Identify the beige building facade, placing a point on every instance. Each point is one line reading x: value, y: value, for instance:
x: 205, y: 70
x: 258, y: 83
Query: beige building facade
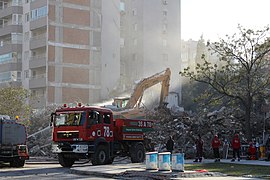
x: 67, y: 51
x: 60, y: 47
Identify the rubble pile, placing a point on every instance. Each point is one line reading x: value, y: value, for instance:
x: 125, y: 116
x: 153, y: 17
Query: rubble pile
x: 39, y: 133
x: 39, y: 143
x: 185, y: 128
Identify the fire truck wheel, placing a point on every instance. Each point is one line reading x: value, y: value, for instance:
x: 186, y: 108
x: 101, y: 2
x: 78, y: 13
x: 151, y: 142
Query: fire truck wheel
x: 65, y: 161
x: 17, y: 163
x: 101, y: 156
x: 137, y: 153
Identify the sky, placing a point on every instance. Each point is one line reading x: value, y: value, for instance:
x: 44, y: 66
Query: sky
x: 215, y: 18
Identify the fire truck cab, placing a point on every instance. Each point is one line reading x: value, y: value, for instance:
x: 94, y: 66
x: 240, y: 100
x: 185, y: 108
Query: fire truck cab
x: 88, y: 132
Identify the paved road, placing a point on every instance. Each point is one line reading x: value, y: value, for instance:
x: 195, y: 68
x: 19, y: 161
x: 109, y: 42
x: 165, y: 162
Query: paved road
x: 41, y: 169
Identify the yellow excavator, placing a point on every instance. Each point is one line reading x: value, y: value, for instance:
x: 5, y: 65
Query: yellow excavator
x: 130, y: 106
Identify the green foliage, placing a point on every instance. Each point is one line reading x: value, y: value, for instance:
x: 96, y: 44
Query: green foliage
x: 13, y: 103
x: 241, y: 75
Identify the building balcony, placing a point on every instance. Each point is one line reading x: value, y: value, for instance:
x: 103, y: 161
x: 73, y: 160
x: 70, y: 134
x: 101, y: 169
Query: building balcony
x: 7, y: 47
x: 38, y: 41
x: 11, y: 66
x: 37, y: 61
x: 38, y: 81
x: 37, y: 4
x: 10, y: 84
x: 38, y: 23
x: 7, y: 11
x: 8, y: 29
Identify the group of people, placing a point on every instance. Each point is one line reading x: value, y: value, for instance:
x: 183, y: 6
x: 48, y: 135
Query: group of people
x: 215, y: 143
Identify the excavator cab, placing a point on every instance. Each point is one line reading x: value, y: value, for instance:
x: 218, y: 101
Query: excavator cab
x: 120, y: 102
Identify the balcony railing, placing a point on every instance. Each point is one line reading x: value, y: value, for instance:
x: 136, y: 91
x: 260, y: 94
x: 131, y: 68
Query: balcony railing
x: 37, y: 61
x: 37, y: 81
x: 9, y: 24
x: 38, y: 76
x: 9, y: 42
x: 38, y: 41
x: 4, y: 5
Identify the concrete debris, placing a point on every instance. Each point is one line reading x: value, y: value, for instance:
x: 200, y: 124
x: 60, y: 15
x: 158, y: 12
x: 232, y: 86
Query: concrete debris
x: 184, y: 127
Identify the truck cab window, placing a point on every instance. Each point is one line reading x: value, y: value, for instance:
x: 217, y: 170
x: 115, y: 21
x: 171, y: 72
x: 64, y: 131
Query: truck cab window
x: 107, y: 118
x: 74, y: 119
x: 93, y: 118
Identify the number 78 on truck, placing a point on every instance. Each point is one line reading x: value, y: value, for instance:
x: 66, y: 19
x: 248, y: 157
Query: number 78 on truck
x: 89, y: 132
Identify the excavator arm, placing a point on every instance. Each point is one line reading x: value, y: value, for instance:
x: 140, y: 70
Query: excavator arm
x: 162, y: 77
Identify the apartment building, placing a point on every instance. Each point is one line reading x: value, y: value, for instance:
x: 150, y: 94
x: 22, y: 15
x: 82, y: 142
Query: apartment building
x: 11, y: 13
x: 150, y: 40
x: 63, y: 51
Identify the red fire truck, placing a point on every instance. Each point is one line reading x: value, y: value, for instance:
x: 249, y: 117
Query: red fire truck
x: 88, y: 132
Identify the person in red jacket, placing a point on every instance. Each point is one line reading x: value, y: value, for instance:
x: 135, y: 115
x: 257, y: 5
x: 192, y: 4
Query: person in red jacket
x: 215, y: 146
x: 251, y: 151
x: 199, y: 149
x: 236, y: 145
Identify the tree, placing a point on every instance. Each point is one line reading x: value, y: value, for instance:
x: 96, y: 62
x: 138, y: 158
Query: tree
x: 241, y: 75
x: 13, y: 102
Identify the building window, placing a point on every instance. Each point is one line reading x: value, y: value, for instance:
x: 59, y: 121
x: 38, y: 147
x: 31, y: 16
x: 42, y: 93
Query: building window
x: 10, y: 76
x: 19, y: 76
x: 164, y: 43
x: 134, y: 57
x: 26, y: 74
x: 135, y: 27
x: 135, y: 42
x: 5, y: 76
x: 16, y: 38
x: 16, y: 2
x: 122, y: 42
x: 165, y: 13
x: 39, y: 13
x: 27, y: 17
x: 164, y: 28
x: 17, y: 19
x: 3, y: 5
x: 134, y: 12
x: 6, y: 58
x: 122, y: 7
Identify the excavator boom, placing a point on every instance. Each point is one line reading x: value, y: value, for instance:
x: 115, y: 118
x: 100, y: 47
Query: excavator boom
x: 162, y: 77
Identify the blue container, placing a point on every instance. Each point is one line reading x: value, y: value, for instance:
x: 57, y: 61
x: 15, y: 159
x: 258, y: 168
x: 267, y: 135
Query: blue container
x: 164, y: 161
x: 178, y: 162
x: 151, y: 160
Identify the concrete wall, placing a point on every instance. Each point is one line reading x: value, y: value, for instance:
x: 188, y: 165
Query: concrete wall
x: 110, y: 45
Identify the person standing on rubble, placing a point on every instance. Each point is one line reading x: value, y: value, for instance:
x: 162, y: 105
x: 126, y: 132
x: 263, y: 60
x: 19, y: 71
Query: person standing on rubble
x: 199, y: 149
x: 215, y: 146
x: 236, y: 145
x: 170, y: 144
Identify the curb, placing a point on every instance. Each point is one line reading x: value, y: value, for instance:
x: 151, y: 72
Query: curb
x: 96, y: 174
x: 129, y: 174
